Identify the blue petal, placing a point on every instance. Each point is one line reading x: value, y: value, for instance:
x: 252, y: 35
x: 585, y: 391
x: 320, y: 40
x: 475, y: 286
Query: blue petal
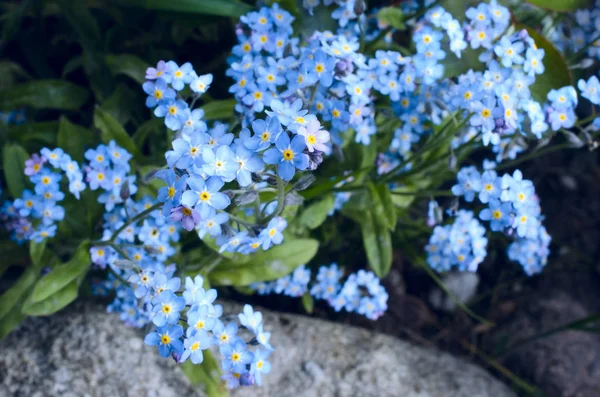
x: 272, y: 156
x: 286, y: 170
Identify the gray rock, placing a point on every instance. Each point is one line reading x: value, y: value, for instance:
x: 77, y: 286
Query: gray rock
x: 86, y: 352
x: 567, y: 363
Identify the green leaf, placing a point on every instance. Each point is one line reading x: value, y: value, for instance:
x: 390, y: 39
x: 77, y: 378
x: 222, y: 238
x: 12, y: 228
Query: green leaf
x: 34, y: 134
x: 289, y: 5
x: 14, y: 294
x: 154, y: 126
x: 383, y: 206
x: 469, y: 59
x: 393, y: 16
x: 556, y: 74
x: 218, y: 110
x: 36, y: 250
x: 86, y: 30
x: 10, y: 321
x: 308, y: 302
x: 9, y: 71
x: 266, y: 265
x: 207, y: 374
x: 227, y: 8
x: 378, y: 245
x: 62, y: 276
x: 44, y: 94
x: 58, y: 300
x: 121, y: 104
x: 562, y: 5
x: 74, y: 139
x: 315, y: 214
x: 377, y: 240
x: 14, y: 169
x: 128, y: 65
x: 111, y: 129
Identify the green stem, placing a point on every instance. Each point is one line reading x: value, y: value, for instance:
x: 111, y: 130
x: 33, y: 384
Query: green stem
x: 118, y: 276
x: 133, y: 220
x: 453, y: 296
x: 280, y: 200
x: 584, y: 49
x: 586, y: 120
x: 438, y: 193
x: 579, y: 325
x: 533, y: 155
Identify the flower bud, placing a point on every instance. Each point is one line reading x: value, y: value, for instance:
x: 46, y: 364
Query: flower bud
x: 245, y: 198
x: 304, y: 182
x: 125, y: 191
x: 123, y: 264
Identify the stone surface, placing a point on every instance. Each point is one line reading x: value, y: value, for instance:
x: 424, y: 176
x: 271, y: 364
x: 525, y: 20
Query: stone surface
x: 567, y: 363
x: 86, y: 352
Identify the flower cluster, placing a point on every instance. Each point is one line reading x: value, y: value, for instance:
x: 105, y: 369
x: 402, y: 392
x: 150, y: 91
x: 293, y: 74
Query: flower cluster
x: 362, y: 292
x: 15, y: 117
x: 203, y: 160
x: 578, y: 33
x: 512, y: 208
x: 245, y: 361
x: 461, y: 244
x: 35, y: 214
x: 108, y: 169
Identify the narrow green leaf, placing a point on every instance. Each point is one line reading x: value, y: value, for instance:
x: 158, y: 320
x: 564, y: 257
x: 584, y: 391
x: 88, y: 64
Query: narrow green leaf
x: 227, y: 8
x: 61, y: 276
x: 14, y: 294
x: 378, y: 245
x: 556, y: 74
x: 377, y: 240
x: 207, y: 374
x: 10, y: 321
x: 393, y: 16
x: 44, y: 94
x: 218, y: 110
x: 111, y: 129
x: 36, y: 250
x: 308, y: 302
x: 266, y: 265
x: 315, y: 214
x: 383, y: 206
x: 14, y: 169
x: 128, y: 65
x: 562, y: 5
x: 74, y: 139
x: 55, y: 302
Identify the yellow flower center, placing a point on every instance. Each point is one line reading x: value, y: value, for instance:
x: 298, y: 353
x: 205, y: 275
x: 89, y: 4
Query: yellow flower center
x: 311, y: 139
x: 288, y: 154
x: 319, y: 68
x: 165, y: 339
x: 497, y: 214
x: 186, y: 211
x: 205, y: 196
